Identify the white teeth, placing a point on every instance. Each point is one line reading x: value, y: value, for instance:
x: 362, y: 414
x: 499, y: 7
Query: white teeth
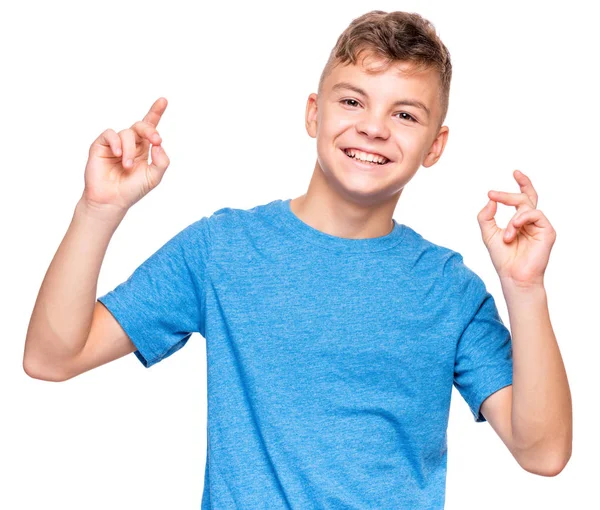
x: 365, y: 156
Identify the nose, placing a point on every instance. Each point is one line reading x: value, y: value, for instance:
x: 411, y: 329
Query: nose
x: 373, y: 126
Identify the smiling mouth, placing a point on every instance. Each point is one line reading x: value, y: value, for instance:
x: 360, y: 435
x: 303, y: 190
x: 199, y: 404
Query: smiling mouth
x: 372, y: 163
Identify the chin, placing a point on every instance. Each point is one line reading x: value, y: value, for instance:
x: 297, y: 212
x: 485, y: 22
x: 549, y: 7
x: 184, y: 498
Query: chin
x: 358, y: 190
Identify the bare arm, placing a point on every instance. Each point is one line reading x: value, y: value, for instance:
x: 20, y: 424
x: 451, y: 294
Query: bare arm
x: 542, y: 422
x: 69, y: 332
x: 63, y: 312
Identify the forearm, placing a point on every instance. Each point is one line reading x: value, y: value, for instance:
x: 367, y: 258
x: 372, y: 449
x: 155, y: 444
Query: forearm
x: 62, y: 315
x: 541, y: 407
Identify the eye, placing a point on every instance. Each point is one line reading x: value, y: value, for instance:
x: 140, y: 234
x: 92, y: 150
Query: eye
x: 410, y: 119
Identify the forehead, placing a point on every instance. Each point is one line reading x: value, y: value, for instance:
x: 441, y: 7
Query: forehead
x: 400, y: 80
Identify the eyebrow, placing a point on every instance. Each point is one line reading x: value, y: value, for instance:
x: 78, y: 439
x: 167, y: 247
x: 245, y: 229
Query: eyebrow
x: 358, y: 90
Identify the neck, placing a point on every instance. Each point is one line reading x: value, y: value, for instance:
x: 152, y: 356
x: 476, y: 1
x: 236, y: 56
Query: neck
x: 333, y: 211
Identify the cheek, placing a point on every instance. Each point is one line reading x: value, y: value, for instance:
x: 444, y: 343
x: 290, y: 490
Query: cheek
x: 414, y: 146
x: 335, y: 121
x: 330, y: 131
x: 411, y: 144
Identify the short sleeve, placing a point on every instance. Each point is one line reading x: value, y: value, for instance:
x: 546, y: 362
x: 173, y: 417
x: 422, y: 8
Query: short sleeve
x: 483, y: 363
x: 162, y: 303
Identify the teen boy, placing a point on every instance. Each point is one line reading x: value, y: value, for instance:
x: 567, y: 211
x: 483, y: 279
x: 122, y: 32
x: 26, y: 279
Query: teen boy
x: 333, y: 333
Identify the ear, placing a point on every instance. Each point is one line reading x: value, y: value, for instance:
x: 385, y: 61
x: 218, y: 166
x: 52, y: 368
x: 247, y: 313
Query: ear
x: 437, y: 147
x: 311, y: 115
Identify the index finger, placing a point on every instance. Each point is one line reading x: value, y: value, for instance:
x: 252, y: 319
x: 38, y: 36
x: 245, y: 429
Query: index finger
x: 156, y: 110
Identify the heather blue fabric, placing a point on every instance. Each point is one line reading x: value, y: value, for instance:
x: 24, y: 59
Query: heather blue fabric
x: 331, y: 361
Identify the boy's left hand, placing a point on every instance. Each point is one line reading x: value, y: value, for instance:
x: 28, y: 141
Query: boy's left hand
x: 522, y: 257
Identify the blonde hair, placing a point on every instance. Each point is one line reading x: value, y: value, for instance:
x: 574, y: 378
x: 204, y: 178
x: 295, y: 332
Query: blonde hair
x: 394, y: 37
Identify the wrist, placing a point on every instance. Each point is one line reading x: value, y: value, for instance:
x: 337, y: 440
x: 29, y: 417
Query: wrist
x: 522, y: 290
x: 528, y: 286
x: 104, y: 213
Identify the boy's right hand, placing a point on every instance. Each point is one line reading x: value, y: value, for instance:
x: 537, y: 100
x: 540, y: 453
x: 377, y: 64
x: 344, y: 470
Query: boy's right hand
x: 117, y: 174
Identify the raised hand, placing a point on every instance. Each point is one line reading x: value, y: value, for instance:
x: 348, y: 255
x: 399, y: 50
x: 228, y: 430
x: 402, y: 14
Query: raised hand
x: 117, y: 174
x: 520, y: 253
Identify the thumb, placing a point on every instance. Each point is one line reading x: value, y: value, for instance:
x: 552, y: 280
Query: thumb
x: 160, y: 162
x: 487, y: 222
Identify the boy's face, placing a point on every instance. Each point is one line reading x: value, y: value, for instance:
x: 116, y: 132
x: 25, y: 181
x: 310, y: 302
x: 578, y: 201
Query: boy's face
x: 342, y: 117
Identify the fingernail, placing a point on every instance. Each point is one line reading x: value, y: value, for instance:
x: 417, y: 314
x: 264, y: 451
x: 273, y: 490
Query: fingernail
x: 129, y: 162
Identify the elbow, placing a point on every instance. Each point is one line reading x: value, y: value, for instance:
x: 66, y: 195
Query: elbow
x: 549, y: 465
x: 549, y: 469
x: 30, y: 369
x: 36, y: 371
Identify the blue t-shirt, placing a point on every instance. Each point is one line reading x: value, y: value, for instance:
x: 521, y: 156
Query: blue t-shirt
x: 330, y: 360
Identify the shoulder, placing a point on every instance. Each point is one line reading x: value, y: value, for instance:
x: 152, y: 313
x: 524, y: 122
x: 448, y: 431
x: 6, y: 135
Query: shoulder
x: 228, y: 225
x: 230, y: 216
x: 442, y: 263
x: 431, y: 256
x: 415, y: 242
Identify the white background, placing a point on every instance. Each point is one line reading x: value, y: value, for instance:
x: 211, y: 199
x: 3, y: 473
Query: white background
x: 237, y: 75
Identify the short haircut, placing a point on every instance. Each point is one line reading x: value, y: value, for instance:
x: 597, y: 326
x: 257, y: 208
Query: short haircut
x: 394, y: 37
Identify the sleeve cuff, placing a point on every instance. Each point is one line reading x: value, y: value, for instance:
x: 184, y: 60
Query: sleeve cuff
x: 489, y: 389
x: 143, y: 353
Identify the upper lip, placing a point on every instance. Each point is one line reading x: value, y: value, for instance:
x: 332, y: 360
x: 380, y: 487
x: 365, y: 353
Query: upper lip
x: 364, y: 149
